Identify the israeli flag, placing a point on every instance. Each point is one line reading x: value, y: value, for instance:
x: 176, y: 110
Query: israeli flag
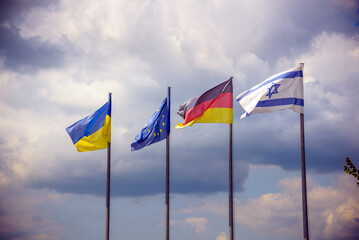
x: 279, y: 92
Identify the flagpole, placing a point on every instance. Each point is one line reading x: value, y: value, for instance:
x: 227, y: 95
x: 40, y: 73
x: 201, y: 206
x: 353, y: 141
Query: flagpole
x: 230, y: 191
x: 108, y: 184
x: 167, y: 210
x: 304, y: 177
x: 304, y: 181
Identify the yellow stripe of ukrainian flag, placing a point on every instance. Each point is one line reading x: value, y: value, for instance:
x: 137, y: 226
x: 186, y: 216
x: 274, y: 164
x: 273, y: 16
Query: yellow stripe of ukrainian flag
x: 97, y: 140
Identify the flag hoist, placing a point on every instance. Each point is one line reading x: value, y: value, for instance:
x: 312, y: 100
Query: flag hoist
x: 214, y: 106
x: 282, y: 91
x: 93, y: 133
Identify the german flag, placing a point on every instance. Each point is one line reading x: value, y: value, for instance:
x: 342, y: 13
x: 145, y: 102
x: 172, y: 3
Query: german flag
x: 213, y: 106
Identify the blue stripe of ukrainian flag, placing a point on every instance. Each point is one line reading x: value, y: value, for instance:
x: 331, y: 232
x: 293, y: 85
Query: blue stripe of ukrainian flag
x: 94, y: 131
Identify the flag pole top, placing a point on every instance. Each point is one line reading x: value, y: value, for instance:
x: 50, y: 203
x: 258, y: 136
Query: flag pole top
x: 301, y: 64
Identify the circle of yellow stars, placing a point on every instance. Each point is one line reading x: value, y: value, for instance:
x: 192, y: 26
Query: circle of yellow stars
x: 157, y: 134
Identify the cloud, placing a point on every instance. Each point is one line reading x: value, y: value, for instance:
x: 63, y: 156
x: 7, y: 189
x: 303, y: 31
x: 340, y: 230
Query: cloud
x: 333, y: 210
x: 23, y: 54
x: 28, y: 55
x: 199, y: 224
x: 22, y: 213
x: 221, y: 236
x: 338, y: 207
x: 215, y: 207
x: 12, y: 10
x: 140, y: 177
x: 334, y: 90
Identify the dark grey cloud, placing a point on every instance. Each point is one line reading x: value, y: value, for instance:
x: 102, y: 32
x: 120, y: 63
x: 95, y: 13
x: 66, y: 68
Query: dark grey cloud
x: 297, y: 22
x: 326, y: 148
x: 14, y: 235
x: 12, y: 10
x: 28, y: 55
x: 19, y: 53
x: 194, y: 170
x: 286, y: 30
x: 352, y: 233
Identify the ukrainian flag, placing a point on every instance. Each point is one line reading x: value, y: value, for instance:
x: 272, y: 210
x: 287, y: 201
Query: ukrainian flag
x: 94, y: 131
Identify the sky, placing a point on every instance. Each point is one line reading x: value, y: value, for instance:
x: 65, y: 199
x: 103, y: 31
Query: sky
x: 60, y: 58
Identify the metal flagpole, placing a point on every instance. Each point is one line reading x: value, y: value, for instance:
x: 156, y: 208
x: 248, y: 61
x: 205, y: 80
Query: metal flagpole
x: 167, y: 211
x: 304, y: 177
x: 304, y: 181
x: 230, y: 198
x: 108, y: 185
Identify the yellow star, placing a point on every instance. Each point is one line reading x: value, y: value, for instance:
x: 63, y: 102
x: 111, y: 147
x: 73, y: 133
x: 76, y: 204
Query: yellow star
x: 163, y: 124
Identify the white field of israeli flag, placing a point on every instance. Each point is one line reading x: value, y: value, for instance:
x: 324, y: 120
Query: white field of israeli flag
x: 279, y: 92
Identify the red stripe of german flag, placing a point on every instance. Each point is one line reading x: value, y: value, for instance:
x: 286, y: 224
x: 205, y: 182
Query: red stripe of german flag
x: 213, y: 106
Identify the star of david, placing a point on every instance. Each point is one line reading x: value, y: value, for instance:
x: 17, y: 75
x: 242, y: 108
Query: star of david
x: 273, y: 89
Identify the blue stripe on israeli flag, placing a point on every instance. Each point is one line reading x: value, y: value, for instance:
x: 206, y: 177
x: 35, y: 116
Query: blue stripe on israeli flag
x: 280, y: 102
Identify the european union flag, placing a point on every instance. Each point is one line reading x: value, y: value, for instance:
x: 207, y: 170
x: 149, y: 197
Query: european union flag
x: 156, y: 128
